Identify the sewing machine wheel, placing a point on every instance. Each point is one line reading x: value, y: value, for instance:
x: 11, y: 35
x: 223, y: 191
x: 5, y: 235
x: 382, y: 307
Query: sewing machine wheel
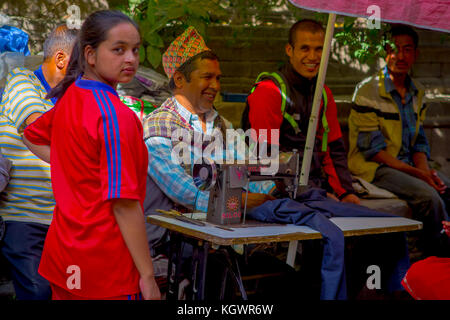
x: 204, y: 175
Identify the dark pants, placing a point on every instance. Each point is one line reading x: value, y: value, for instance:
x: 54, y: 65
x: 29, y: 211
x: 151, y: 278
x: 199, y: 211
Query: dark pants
x: 313, y: 209
x: 427, y: 205
x: 22, y: 248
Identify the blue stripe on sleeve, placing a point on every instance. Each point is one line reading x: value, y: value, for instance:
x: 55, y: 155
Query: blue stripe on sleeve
x: 113, y: 145
x: 108, y: 148
x: 117, y: 143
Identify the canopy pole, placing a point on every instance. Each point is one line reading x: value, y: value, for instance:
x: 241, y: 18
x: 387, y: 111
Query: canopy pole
x: 312, y: 127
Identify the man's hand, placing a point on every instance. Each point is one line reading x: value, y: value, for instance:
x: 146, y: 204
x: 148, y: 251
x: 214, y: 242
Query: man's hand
x: 351, y: 198
x: 430, y: 177
x: 255, y: 199
x: 446, y: 225
x: 332, y: 196
x: 438, y: 181
x: 149, y: 288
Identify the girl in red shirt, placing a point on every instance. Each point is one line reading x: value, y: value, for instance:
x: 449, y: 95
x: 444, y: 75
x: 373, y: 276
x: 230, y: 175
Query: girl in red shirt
x: 96, y: 247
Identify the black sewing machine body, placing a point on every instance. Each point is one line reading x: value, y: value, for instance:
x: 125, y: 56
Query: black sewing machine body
x: 227, y: 182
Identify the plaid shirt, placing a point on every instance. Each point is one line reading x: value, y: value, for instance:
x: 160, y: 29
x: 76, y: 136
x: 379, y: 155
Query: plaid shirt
x: 370, y: 143
x: 171, y: 177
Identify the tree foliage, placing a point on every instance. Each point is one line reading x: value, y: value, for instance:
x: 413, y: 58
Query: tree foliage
x: 162, y: 20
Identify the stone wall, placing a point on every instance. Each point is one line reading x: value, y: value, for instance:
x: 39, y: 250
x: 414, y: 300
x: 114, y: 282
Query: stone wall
x: 245, y: 52
x: 250, y: 51
x: 39, y: 17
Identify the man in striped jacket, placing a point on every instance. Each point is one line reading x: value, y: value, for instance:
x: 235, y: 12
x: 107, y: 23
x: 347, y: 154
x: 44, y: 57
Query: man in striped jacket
x: 27, y: 203
x: 388, y: 146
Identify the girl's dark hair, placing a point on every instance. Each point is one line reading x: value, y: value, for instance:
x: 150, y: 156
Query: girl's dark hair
x: 93, y: 32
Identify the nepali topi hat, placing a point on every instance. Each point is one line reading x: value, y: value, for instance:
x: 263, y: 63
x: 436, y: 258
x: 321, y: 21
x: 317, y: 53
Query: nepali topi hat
x: 184, y: 47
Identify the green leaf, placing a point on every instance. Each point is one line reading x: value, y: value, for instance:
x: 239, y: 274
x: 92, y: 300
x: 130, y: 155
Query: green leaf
x: 198, y: 24
x: 154, y: 39
x: 154, y: 56
x: 197, y: 10
x: 175, y: 13
x: 141, y: 54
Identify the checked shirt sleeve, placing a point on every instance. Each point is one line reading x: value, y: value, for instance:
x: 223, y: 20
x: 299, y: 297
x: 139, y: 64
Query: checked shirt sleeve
x: 370, y: 143
x: 421, y: 144
x: 171, y: 177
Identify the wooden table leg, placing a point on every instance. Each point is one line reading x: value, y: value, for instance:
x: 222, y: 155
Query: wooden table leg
x: 292, y: 252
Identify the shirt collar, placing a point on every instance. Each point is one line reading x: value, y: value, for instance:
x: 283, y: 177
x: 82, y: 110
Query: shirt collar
x: 94, y: 85
x: 40, y: 75
x: 189, y: 116
x: 389, y: 85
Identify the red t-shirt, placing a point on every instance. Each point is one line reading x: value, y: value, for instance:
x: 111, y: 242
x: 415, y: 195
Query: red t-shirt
x: 267, y: 115
x: 97, y: 154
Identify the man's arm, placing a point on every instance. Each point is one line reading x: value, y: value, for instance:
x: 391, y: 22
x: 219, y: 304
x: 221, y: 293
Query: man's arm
x: 40, y: 151
x: 420, y: 160
x: 418, y: 172
x: 25, y: 103
x: 171, y: 177
x: 32, y: 117
x: 179, y: 186
x: 335, y: 160
x: 37, y: 134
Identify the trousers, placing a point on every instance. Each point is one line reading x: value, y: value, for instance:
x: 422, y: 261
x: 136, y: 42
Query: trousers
x: 22, y: 247
x: 427, y: 205
x: 313, y: 209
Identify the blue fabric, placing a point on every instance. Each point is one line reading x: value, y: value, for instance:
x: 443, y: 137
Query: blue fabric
x: 408, y: 118
x: 14, y: 40
x: 94, y: 85
x: 370, y: 143
x: 22, y: 247
x: 313, y: 209
x: 40, y: 75
x: 171, y: 178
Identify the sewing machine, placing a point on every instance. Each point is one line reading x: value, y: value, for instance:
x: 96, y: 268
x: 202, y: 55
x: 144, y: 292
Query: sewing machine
x: 227, y: 181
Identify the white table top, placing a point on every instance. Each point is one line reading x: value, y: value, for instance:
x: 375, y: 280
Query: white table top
x: 273, y: 233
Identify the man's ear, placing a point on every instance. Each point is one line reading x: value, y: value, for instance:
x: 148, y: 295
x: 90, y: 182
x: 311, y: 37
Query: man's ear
x: 179, y: 79
x: 289, y: 50
x: 60, y: 59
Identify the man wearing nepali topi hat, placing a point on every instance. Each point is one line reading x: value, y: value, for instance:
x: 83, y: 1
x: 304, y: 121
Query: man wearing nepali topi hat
x: 194, y: 78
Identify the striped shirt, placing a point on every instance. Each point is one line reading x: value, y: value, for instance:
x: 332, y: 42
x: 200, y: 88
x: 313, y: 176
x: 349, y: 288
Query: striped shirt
x: 28, y: 196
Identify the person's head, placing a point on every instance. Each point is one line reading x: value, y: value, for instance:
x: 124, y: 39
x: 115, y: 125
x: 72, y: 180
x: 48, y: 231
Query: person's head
x: 304, y: 48
x: 57, y: 49
x: 401, y: 59
x: 193, y: 71
x: 107, y: 50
